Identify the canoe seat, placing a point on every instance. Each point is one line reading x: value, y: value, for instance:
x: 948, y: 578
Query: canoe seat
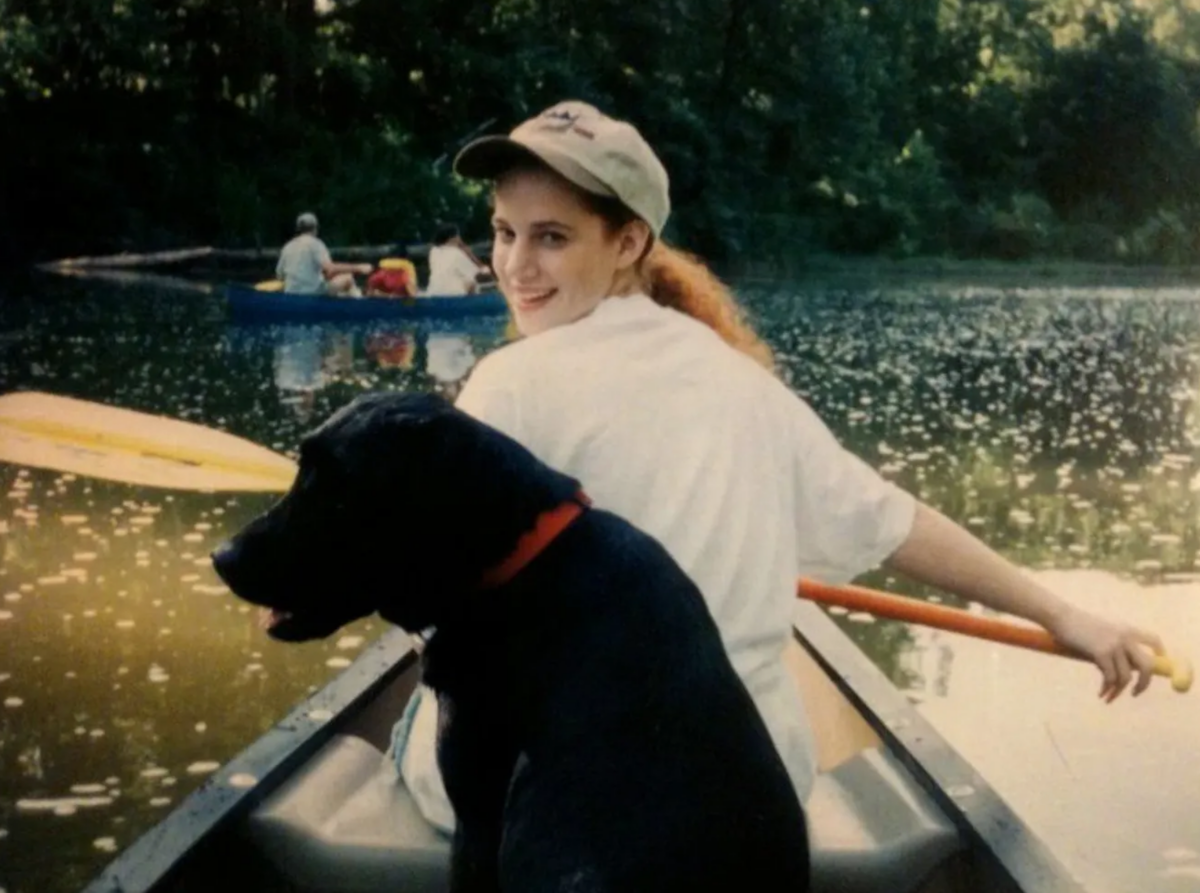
x: 871, y: 828
x: 345, y: 823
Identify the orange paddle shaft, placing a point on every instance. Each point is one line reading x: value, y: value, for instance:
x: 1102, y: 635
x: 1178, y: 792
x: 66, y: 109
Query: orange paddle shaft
x: 894, y: 607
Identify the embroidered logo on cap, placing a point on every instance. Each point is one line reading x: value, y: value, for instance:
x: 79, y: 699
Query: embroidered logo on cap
x: 563, y: 120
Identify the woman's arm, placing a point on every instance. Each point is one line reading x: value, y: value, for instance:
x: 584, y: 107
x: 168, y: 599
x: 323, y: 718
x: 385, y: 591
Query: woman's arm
x: 333, y: 268
x: 941, y: 553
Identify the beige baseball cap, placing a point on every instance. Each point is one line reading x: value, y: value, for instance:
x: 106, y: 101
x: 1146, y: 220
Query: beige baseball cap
x: 595, y: 152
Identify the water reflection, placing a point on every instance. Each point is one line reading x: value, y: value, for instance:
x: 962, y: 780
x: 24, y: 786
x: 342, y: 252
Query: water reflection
x: 128, y: 673
x: 1059, y: 424
x: 1090, y: 777
x: 392, y: 350
x: 299, y: 367
x: 449, y: 358
x: 307, y: 360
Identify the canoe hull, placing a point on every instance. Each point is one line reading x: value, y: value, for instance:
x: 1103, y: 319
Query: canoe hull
x: 276, y: 828
x: 247, y: 304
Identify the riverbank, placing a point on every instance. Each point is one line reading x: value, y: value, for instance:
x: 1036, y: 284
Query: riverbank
x: 857, y: 271
x: 860, y: 270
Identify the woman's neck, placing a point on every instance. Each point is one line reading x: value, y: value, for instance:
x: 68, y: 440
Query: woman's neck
x: 626, y: 283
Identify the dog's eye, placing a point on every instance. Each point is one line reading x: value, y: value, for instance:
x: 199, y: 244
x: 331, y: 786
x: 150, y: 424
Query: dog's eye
x: 316, y: 456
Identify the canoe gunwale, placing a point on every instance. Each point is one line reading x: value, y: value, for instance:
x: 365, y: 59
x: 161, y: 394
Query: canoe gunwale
x: 158, y: 854
x: 1020, y: 860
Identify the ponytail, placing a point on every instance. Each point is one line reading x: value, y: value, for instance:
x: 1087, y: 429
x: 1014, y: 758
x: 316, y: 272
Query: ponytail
x: 682, y: 282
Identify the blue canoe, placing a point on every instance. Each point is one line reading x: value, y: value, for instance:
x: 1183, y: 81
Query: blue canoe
x: 247, y: 304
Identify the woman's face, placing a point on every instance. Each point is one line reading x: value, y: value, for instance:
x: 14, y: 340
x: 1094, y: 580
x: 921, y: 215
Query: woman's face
x: 554, y: 257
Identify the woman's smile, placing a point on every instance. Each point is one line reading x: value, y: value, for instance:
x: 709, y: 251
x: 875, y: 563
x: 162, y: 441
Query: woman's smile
x: 528, y: 300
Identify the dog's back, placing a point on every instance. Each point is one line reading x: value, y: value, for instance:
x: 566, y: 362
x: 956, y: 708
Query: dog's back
x: 641, y: 760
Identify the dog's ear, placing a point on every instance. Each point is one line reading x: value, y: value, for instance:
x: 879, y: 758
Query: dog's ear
x: 448, y: 492
x: 486, y: 489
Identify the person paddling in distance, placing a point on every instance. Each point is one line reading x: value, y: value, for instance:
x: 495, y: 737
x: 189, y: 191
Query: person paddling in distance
x: 306, y: 267
x: 453, y: 267
x: 638, y: 374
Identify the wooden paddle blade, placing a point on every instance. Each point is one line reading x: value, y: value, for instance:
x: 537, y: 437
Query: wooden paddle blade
x: 65, y: 434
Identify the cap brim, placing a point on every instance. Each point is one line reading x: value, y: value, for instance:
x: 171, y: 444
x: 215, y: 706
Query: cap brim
x: 488, y: 157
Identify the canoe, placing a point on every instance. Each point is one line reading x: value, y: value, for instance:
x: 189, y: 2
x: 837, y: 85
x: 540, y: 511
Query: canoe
x: 247, y: 304
x: 314, y: 805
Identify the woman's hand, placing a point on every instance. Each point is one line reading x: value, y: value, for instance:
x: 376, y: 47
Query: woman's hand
x: 1119, y: 650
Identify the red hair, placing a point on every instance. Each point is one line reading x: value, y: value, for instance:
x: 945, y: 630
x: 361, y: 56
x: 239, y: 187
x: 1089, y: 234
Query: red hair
x: 683, y: 282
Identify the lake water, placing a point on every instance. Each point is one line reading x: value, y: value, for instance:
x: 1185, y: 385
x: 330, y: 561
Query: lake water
x: 1058, y: 423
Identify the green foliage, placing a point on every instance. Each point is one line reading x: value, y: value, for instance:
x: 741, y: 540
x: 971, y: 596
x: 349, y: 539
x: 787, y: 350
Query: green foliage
x: 1164, y: 238
x: 999, y: 128
x: 1114, y: 118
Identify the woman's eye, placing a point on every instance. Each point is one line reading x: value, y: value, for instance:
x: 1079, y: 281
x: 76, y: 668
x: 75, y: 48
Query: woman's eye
x: 504, y: 236
x: 553, y: 239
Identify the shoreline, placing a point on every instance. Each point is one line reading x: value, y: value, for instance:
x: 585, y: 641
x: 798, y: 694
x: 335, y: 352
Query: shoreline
x: 815, y: 268
x: 1042, y: 271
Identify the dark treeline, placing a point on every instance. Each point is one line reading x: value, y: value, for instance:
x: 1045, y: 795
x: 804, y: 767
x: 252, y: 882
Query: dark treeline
x: 968, y: 128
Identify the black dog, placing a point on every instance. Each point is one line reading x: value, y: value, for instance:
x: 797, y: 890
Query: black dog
x: 595, y: 736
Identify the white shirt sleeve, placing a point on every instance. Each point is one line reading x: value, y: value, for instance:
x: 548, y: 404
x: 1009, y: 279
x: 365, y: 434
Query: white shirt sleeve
x: 849, y: 519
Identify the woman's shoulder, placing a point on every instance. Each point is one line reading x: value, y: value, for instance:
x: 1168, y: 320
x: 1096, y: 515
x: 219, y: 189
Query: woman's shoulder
x: 509, y: 362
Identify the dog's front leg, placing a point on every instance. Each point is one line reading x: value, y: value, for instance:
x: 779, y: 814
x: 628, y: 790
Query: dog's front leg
x: 473, y: 859
x: 477, y: 758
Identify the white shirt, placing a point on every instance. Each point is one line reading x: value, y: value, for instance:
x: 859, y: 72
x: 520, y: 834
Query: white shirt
x: 705, y: 450
x: 451, y: 272
x: 301, y: 265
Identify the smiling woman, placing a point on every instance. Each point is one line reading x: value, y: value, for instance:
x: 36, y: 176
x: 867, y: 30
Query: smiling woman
x: 626, y: 380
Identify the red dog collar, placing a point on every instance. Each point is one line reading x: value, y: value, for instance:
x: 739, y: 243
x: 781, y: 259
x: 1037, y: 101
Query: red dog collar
x: 530, y: 544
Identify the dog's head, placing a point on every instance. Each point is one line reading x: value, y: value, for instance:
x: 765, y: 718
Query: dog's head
x: 401, y: 502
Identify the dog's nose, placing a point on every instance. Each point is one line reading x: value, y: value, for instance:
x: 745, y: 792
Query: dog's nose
x: 223, y: 559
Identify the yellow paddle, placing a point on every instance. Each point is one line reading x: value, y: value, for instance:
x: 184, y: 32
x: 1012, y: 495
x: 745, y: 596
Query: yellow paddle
x: 269, y: 285
x: 49, y: 431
